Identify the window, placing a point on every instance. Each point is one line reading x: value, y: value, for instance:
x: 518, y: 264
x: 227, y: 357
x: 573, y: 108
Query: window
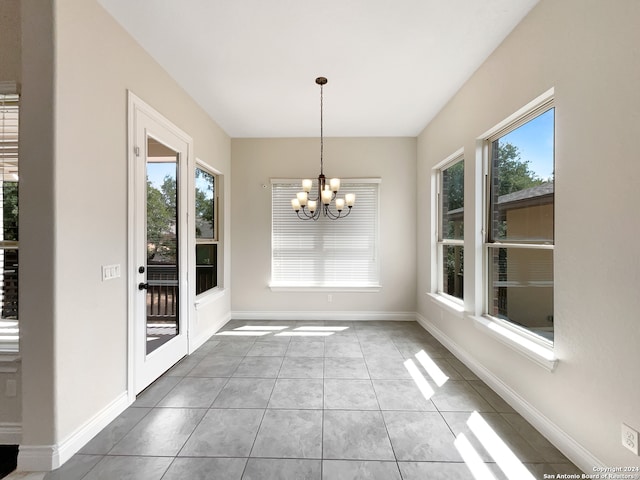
x: 520, y: 230
x: 450, y: 227
x: 9, y: 112
x: 325, y: 253
x: 206, y: 221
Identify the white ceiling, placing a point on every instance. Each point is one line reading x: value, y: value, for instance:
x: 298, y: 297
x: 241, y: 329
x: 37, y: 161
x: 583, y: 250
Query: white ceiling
x: 252, y: 64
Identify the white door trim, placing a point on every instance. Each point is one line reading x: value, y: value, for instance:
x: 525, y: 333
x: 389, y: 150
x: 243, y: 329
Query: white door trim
x: 136, y: 107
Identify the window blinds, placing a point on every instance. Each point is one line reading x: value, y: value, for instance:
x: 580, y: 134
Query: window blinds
x: 9, y: 137
x: 325, y: 253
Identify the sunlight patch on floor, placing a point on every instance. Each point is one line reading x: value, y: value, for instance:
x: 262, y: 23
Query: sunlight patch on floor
x: 478, y: 468
x: 246, y: 333
x: 260, y: 328
x: 304, y: 334
x: 320, y: 329
x: 421, y: 382
x: 501, y: 453
x: 432, y: 369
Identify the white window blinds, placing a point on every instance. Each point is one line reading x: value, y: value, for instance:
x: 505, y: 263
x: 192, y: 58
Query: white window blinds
x: 9, y: 137
x: 325, y: 253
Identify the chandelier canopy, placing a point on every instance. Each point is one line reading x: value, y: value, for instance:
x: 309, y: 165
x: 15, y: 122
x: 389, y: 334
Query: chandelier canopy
x: 310, y: 209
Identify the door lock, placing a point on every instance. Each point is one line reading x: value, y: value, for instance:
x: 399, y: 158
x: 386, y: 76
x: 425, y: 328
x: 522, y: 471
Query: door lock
x: 143, y: 286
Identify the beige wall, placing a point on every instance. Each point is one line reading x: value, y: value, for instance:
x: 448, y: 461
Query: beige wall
x: 74, y: 340
x: 255, y: 161
x: 37, y: 225
x: 586, y: 50
x: 10, y: 41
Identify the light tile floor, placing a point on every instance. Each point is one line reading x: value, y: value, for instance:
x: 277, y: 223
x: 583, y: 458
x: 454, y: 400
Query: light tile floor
x: 342, y: 406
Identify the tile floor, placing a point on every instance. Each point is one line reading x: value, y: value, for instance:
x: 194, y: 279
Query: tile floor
x: 360, y: 403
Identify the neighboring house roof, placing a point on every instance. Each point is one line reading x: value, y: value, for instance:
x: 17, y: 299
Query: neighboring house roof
x: 527, y: 194
x: 538, y: 195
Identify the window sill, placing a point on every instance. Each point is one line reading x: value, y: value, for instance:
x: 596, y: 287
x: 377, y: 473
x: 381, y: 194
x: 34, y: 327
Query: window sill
x: 540, y: 354
x: 335, y: 289
x: 209, y: 297
x: 452, y: 306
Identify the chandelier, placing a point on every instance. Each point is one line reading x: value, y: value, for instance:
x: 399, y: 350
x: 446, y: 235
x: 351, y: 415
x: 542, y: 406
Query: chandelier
x: 310, y: 209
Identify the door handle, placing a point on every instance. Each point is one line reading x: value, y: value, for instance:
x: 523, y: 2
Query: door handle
x: 143, y: 286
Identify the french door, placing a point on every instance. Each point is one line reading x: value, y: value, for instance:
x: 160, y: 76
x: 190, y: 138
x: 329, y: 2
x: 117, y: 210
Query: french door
x: 158, y: 266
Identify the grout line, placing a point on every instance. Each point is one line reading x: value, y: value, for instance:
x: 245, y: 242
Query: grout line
x: 264, y: 413
x: 251, y: 343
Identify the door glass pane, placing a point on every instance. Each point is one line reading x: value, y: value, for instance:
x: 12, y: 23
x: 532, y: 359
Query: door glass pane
x: 9, y: 257
x: 162, y: 245
x: 9, y: 126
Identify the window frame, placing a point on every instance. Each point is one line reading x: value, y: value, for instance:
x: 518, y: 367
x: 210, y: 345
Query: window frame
x: 10, y: 345
x: 291, y: 286
x: 531, y: 111
x: 440, y: 241
x: 217, y: 228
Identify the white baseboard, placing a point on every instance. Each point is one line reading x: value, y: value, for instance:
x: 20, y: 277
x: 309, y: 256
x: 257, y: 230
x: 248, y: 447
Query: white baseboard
x: 10, y: 433
x: 208, y: 333
x: 573, y: 450
x: 43, y: 458
x: 38, y: 458
x: 324, y: 315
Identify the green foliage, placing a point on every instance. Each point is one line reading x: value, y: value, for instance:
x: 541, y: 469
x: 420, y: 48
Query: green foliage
x: 513, y: 173
x: 453, y: 182
x: 10, y: 211
x: 454, y: 177
x: 454, y: 270
x: 204, y: 201
x: 161, y: 221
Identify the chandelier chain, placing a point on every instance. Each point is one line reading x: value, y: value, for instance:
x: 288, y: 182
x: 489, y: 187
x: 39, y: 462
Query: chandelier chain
x: 321, y: 132
x: 309, y: 208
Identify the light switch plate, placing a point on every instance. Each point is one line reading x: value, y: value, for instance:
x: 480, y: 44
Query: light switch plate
x: 630, y: 438
x: 110, y: 272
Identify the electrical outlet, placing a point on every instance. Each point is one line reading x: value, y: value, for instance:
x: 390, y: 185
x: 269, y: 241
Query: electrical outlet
x: 630, y: 438
x: 329, y: 298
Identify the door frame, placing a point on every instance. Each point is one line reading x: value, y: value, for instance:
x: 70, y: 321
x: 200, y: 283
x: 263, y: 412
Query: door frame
x: 136, y: 107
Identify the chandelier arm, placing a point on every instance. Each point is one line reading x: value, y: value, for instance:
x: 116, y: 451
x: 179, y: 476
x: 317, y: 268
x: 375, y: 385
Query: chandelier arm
x: 301, y: 217
x: 341, y: 214
x: 306, y: 215
x: 330, y: 214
